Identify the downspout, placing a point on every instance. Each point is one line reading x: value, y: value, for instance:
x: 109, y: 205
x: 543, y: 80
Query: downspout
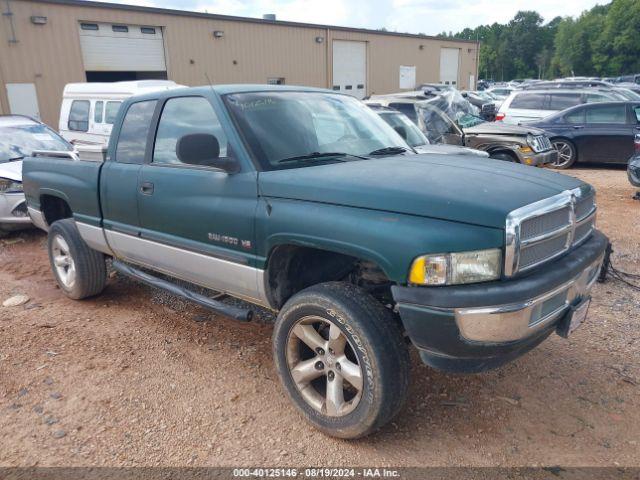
x: 9, y: 14
x: 329, y: 70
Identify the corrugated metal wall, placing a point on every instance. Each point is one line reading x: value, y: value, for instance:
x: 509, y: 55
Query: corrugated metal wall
x: 249, y: 52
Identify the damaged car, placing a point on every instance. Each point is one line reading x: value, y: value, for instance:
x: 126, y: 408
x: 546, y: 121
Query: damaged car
x: 414, y: 137
x: 20, y: 136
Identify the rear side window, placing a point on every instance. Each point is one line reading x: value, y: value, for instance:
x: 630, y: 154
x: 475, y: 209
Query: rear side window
x: 607, y: 114
x: 561, y: 101
x: 79, y: 116
x: 132, y: 141
x: 97, y: 114
x: 111, y: 112
x: 637, y: 112
x: 182, y: 116
x: 530, y: 101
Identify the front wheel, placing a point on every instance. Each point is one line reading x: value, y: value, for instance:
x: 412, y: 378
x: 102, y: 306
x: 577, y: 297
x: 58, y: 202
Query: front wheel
x: 80, y: 271
x: 504, y: 156
x: 342, y: 359
x: 566, y: 154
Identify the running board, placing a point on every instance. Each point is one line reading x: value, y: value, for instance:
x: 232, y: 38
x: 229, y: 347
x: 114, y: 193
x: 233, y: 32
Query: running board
x: 241, y: 314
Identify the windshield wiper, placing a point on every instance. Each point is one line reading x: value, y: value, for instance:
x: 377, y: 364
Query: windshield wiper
x: 319, y: 156
x: 15, y: 159
x: 389, y: 151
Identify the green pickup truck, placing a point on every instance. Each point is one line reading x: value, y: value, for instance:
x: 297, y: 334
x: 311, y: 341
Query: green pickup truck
x: 305, y: 202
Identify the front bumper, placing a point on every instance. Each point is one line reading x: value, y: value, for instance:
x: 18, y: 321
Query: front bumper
x: 13, y: 212
x: 471, y: 328
x: 537, y: 159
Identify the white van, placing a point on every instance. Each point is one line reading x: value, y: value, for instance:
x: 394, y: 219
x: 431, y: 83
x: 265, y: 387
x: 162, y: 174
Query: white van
x: 89, y: 109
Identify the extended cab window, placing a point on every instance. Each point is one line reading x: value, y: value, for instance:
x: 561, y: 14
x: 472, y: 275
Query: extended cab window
x: 132, y: 141
x: 182, y: 116
x: 607, y: 114
x: 79, y: 116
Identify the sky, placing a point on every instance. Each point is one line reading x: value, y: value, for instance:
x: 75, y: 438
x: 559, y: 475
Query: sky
x: 414, y: 16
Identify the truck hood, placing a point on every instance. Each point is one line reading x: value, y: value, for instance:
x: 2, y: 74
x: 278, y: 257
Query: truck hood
x: 499, y: 128
x: 11, y: 170
x: 449, y: 187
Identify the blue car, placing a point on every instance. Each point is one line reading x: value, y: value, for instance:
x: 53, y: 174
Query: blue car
x: 597, y: 132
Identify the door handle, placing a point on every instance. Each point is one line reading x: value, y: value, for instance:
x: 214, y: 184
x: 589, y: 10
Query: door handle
x: 146, y: 188
x: 578, y: 127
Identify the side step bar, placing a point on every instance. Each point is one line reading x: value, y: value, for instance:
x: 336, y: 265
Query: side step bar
x: 241, y: 314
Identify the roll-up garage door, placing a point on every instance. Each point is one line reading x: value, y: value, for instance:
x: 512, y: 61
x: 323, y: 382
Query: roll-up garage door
x: 350, y: 67
x: 449, y: 66
x: 108, y: 47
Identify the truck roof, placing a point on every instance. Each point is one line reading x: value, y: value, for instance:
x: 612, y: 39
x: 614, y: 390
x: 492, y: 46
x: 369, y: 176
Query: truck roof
x: 233, y: 88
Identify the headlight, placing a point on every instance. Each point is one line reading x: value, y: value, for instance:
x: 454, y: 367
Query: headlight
x: 10, y: 186
x: 457, y: 268
x: 534, y: 143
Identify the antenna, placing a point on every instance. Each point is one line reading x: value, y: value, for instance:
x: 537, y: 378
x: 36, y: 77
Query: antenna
x: 206, y: 75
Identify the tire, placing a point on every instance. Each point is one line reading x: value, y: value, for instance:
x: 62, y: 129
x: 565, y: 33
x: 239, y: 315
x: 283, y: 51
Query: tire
x: 365, y: 337
x: 80, y: 271
x: 568, y: 151
x: 507, y: 157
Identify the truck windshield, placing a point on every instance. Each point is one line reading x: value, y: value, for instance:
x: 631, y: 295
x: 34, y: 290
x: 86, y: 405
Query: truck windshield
x: 303, y: 128
x: 20, y: 140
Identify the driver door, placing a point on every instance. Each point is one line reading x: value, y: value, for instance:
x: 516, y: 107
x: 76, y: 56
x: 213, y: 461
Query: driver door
x: 197, y: 222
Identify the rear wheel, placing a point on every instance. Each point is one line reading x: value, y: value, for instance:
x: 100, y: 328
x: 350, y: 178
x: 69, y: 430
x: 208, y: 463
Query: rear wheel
x: 342, y: 359
x: 80, y: 271
x: 566, y: 154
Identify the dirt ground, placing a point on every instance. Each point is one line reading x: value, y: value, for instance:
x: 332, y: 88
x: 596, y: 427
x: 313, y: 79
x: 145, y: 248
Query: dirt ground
x: 134, y: 378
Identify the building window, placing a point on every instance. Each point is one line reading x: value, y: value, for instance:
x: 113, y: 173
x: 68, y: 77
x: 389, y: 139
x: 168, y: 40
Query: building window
x: 120, y: 28
x: 148, y: 30
x: 79, y: 116
x: 275, y: 81
x: 89, y: 26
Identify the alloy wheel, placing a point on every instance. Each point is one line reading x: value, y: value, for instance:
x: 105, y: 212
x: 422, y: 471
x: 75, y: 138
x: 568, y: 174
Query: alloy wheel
x: 565, y: 153
x: 63, y: 261
x: 324, y: 366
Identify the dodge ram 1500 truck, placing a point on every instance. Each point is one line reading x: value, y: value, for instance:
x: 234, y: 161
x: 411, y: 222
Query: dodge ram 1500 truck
x: 305, y: 202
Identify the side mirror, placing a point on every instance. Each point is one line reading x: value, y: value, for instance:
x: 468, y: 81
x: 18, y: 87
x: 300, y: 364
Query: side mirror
x: 203, y: 149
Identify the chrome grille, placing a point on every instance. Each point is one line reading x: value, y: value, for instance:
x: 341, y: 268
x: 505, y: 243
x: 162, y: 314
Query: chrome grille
x: 544, y: 142
x: 544, y: 230
x: 543, y: 250
x: 583, y: 230
x: 537, y: 226
x: 584, y: 207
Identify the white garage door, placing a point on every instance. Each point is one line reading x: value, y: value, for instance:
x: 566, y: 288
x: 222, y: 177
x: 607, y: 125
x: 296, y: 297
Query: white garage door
x: 449, y: 65
x: 110, y: 47
x: 350, y: 67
